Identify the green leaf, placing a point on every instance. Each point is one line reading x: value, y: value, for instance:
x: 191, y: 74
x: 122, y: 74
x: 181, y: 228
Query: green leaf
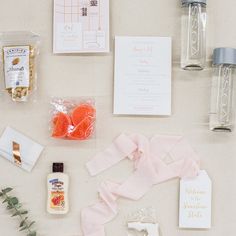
x: 6, y: 200
x: 7, y: 190
x: 18, y: 206
x: 14, y: 201
x: 14, y: 206
x: 31, y: 223
x: 32, y: 234
x: 24, y: 228
x: 23, y: 212
x: 9, y: 207
x: 16, y: 214
x: 23, y: 222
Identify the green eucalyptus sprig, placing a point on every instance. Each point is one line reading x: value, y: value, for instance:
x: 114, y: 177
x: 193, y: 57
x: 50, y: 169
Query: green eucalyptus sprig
x: 15, y: 207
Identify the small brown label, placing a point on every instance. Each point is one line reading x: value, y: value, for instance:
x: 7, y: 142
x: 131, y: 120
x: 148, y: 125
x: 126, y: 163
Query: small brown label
x: 16, y: 153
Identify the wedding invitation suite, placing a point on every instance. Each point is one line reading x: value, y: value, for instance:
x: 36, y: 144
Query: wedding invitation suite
x: 195, y: 202
x: 81, y: 26
x: 142, y: 84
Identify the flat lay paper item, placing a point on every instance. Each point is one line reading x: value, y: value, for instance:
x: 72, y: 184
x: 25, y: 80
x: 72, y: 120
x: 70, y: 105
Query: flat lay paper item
x: 142, y: 83
x: 195, y: 202
x: 81, y: 26
x: 19, y: 149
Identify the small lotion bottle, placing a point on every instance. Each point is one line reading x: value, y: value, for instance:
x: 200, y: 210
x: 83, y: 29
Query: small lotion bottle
x: 58, y: 185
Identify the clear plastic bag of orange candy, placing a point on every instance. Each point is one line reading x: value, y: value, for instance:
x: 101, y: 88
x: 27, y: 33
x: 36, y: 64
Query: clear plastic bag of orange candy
x: 73, y: 119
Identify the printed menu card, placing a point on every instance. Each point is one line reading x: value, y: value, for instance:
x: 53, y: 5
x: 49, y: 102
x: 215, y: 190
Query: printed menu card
x: 81, y: 26
x: 142, y: 84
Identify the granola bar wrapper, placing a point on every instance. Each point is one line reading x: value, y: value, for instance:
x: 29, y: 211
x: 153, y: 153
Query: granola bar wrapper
x: 19, y: 59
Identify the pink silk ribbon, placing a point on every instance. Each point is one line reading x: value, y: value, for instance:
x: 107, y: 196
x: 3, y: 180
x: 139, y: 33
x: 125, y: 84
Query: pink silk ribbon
x: 157, y: 160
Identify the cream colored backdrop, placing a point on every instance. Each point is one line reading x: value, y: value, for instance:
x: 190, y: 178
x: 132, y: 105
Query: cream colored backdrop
x: 93, y: 76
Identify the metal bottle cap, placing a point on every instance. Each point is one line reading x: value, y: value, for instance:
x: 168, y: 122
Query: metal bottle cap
x: 224, y: 56
x: 58, y: 167
x: 186, y: 2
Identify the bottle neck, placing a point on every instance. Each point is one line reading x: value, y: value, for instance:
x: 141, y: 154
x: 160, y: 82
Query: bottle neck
x: 194, y: 4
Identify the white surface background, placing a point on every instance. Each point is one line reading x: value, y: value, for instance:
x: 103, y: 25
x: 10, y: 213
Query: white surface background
x: 93, y: 75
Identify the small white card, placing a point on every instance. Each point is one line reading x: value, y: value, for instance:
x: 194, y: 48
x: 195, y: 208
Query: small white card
x: 195, y: 202
x: 81, y: 26
x: 27, y: 151
x: 142, y: 76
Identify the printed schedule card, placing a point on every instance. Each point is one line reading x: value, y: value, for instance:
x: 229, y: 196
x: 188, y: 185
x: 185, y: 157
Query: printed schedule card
x: 81, y: 26
x: 142, y: 83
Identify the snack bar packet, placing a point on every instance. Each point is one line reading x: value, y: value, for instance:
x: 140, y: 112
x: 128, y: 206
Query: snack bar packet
x: 19, y: 52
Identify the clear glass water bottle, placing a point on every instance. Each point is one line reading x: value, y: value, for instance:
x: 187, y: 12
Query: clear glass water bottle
x: 223, y: 86
x: 193, y: 48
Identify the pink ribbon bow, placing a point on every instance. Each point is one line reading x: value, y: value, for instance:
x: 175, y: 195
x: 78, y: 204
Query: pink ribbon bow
x: 157, y: 160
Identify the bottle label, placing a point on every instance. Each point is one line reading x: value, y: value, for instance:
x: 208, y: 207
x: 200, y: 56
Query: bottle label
x: 195, y: 32
x: 57, y: 195
x: 16, y: 66
x: 225, y: 96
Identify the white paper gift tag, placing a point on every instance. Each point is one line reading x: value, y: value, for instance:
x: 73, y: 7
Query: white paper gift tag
x: 19, y: 149
x: 195, y: 202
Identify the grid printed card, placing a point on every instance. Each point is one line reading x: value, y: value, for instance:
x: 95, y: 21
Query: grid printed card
x: 81, y: 26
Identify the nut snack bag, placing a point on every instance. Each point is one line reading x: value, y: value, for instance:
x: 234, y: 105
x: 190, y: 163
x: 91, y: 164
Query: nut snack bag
x: 73, y: 119
x: 19, y: 52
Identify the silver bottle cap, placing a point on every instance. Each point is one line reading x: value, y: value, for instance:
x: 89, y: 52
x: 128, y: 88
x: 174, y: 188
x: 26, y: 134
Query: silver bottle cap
x: 186, y: 2
x: 224, y: 56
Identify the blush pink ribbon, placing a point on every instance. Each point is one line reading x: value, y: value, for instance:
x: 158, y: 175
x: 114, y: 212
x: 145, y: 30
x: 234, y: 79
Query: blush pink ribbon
x: 157, y: 160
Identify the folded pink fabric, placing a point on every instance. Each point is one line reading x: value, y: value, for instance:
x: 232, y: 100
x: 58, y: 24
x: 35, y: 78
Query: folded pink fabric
x: 155, y: 161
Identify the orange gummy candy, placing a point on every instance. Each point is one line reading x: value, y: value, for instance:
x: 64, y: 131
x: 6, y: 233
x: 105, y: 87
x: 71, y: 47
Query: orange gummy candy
x: 61, y: 123
x: 77, y: 126
x: 83, y: 130
x: 81, y: 112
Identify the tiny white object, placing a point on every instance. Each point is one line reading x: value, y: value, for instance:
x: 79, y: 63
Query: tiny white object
x: 29, y: 149
x: 152, y: 229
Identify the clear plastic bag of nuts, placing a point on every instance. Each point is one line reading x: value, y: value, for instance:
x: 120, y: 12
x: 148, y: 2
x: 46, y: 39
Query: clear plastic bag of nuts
x: 19, y: 55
